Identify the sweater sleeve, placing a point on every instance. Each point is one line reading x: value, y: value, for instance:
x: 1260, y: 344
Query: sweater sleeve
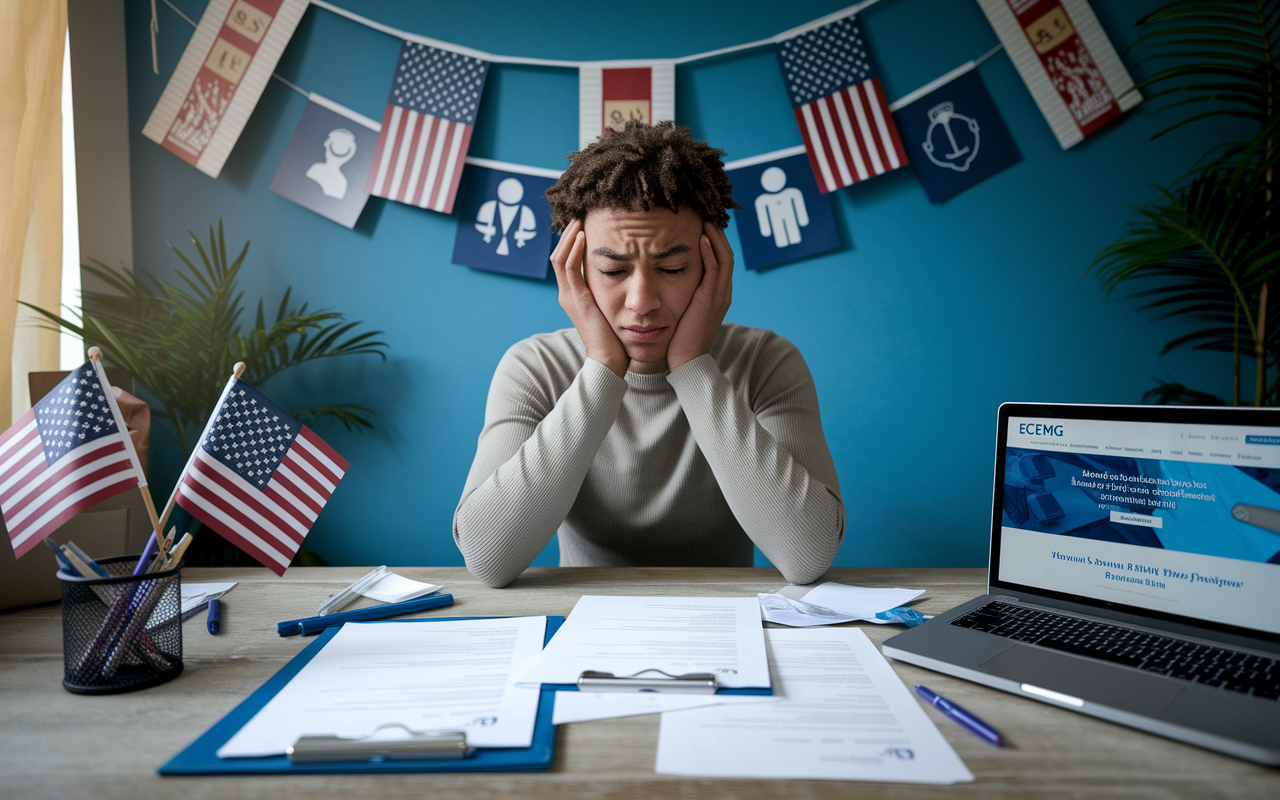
x: 532, y: 457
x: 765, y: 445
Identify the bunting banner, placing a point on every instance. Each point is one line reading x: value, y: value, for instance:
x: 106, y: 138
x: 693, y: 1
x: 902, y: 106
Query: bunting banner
x: 1067, y: 61
x: 784, y: 217
x: 504, y: 224
x: 839, y: 105
x: 220, y: 77
x: 328, y: 161
x: 954, y: 133
x: 610, y: 96
x: 427, y: 126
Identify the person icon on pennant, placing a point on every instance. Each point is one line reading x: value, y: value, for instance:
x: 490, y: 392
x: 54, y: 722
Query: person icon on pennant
x: 497, y: 216
x: 780, y: 211
x: 338, y: 150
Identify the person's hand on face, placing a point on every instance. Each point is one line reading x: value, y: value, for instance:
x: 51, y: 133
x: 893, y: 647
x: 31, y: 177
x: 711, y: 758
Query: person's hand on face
x: 701, y: 321
x: 578, y: 302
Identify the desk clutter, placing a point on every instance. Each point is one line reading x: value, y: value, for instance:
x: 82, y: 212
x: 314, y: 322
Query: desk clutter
x: 477, y: 694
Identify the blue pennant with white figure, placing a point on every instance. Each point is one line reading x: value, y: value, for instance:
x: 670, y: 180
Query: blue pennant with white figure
x: 954, y: 134
x: 504, y: 221
x: 784, y: 217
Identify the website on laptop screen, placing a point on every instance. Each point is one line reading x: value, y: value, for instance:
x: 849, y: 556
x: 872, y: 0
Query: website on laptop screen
x: 1183, y: 519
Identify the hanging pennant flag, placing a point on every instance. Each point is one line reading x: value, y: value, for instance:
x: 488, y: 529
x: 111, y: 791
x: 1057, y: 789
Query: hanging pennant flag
x: 505, y: 220
x: 327, y: 164
x: 1067, y: 62
x: 221, y: 76
x: 426, y: 127
x: 258, y: 477
x: 784, y: 217
x: 954, y: 134
x: 611, y: 93
x: 839, y: 105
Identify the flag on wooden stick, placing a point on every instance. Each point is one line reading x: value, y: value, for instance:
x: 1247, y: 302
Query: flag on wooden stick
x: 68, y: 453
x: 839, y: 105
x: 427, y: 126
x: 258, y: 477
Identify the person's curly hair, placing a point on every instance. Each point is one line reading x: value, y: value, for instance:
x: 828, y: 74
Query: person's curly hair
x: 640, y: 168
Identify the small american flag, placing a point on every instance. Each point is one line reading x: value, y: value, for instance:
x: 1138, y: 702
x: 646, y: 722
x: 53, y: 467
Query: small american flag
x: 427, y: 127
x: 843, y: 116
x: 259, y: 477
x: 63, y: 456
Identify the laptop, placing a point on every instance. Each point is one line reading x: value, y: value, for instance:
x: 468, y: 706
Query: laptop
x: 1134, y: 572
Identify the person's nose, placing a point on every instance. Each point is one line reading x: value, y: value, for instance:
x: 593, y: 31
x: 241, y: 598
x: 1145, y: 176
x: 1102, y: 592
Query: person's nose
x: 642, y: 295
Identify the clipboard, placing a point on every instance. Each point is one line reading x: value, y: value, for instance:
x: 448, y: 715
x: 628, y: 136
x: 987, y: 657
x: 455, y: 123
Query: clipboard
x: 200, y: 757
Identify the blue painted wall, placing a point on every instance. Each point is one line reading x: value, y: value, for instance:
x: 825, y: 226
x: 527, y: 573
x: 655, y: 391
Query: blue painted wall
x: 925, y: 320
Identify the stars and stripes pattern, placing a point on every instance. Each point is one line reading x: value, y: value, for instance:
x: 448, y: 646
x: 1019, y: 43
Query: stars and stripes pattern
x: 842, y: 112
x: 63, y: 456
x: 426, y: 127
x: 259, y: 478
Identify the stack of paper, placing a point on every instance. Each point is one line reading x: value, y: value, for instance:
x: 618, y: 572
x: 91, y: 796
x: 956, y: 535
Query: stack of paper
x: 832, y: 603
x: 428, y: 676
x: 678, y: 635
x: 843, y: 715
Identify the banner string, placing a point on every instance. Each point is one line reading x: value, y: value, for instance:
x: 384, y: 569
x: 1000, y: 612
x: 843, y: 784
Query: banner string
x: 549, y: 62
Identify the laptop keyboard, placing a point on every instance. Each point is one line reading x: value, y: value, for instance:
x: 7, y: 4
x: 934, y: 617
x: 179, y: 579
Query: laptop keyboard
x: 1231, y: 670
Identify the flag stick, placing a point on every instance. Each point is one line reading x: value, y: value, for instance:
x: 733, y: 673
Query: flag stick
x: 95, y: 355
x: 236, y: 372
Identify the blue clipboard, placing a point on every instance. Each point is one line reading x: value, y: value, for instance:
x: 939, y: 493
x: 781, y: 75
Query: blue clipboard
x: 201, y: 756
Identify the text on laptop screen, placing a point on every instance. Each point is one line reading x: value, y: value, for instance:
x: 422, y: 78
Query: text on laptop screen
x: 1182, y: 519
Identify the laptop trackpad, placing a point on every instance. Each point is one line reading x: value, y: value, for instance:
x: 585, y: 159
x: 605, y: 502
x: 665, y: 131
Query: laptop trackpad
x: 1129, y: 690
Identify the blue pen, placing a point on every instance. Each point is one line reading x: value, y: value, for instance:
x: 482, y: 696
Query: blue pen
x: 961, y: 716
x: 214, y: 622
x: 310, y: 625
x: 147, y: 552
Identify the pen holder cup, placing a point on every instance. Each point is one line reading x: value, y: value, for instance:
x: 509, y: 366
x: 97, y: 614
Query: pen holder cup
x: 122, y: 632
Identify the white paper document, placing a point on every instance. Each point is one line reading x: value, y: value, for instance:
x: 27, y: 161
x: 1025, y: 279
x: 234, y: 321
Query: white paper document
x: 843, y: 715
x: 858, y: 602
x: 678, y: 635
x: 195, y: 595
x: 396, y: 589
x: 428, y: 676
x: 582, y: 706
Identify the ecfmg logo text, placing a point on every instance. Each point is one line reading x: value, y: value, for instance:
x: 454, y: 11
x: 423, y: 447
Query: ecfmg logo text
x: 1037, y: 429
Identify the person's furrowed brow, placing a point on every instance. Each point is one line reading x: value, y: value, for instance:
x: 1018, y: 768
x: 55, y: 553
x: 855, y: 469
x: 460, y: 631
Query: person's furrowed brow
x: 614, y: 255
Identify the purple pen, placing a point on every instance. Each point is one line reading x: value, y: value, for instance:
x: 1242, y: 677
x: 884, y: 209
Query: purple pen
x: 966, y: 720
x: 147, y: 553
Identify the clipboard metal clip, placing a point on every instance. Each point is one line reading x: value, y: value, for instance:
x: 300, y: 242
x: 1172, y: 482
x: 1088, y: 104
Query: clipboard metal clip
x: 689, y: 683
x: 362, y: 747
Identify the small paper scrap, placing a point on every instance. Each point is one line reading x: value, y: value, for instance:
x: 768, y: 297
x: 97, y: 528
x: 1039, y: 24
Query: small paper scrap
x: 396, y: 589
x: 833, y: 603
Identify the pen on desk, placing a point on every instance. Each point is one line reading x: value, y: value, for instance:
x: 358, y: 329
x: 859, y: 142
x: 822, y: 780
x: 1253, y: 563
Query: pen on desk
x: 310, y: 625
x: 961, y: 716
x: 214, y: 622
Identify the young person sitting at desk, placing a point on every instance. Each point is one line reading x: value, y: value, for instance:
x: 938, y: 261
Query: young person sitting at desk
x: 651, y: 433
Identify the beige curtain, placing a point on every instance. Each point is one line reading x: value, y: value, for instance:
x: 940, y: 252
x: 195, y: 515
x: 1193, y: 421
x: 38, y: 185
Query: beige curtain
x: 32, y: 33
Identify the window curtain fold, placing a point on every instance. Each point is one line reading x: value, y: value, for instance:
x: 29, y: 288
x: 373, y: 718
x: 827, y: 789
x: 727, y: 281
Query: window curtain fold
x: 32, y: 36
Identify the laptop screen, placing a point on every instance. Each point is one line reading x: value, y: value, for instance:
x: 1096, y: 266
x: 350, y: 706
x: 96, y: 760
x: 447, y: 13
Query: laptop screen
x: 1148, y: 509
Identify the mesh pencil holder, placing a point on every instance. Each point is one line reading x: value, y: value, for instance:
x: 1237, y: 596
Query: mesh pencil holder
x: 123, y: 632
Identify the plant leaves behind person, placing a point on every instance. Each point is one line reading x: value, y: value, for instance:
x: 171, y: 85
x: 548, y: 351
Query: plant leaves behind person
x: 1212, y: 238
x: 180, y: 340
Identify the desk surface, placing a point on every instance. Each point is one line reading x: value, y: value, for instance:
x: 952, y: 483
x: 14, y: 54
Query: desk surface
x: 59, y: 745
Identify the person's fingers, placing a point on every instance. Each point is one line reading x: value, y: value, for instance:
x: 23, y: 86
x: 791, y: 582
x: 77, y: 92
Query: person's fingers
x: 710, y: 264
x: 566, y: 242
x: 573, y: 263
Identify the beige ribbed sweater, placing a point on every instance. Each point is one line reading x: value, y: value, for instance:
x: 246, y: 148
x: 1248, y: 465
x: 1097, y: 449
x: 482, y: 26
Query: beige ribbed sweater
x: 682, y: 468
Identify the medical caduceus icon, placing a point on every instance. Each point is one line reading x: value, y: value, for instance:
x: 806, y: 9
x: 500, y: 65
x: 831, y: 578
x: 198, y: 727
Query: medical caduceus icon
x: 961, y: 155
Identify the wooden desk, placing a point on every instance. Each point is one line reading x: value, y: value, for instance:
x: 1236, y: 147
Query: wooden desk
x: 58, y: 745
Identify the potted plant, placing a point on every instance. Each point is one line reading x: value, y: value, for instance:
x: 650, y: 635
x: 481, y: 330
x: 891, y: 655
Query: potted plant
x: 1209, y: 244
x: 181, y: 339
